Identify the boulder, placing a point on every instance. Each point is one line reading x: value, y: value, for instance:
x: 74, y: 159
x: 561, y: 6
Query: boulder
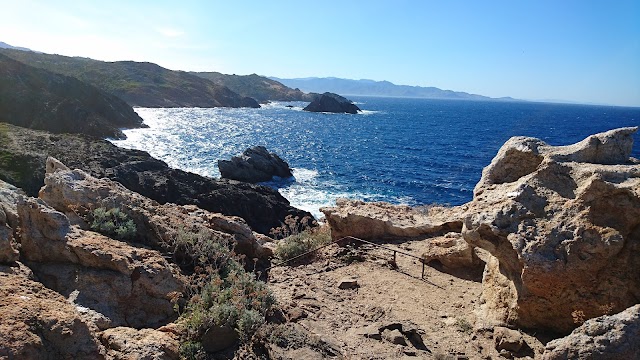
x: 121, y: 284
x: 132, y: 344
x: 380, y: 220
x: 75, y: 193
x: 605, y: 337
x: 38, y: 323
x: 256, y: 164
x: 332, y: 103
x: 452, y: 251
x: 562, y: 225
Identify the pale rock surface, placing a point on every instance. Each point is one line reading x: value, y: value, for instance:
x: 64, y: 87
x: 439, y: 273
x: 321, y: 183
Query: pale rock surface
x: 38, y: 323
x: 128, y: 285
x: 563, y: 226
x: 605, y: 337
x: 380, y: 220
x: 452, y: 251
x: 125, y: 343
x: 74, y: 193
x: 9, y: 196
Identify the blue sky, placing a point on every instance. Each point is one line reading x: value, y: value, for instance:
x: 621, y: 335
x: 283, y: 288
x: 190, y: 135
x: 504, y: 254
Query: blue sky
x: 582, y: 51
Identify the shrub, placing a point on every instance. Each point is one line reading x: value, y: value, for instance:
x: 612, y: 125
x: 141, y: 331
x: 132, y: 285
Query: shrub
x: 300, y: 243
x: 113, y: 223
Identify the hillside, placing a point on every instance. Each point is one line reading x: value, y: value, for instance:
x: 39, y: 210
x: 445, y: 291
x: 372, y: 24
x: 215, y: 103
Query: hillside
x: 39, y: 99
x: 377, y: 88
x: 255, y: 86
x: 139, y: 84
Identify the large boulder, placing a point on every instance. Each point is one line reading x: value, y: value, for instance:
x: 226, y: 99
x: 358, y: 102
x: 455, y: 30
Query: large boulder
x: 143, y: 344
x: 256, y: 164
x: 605, y: 337
x: 332, y: 103
x: 115, y: 283
x: 384, y: 221
x: 38, y: 323
x: 563, y: 227
x: 75, y: 193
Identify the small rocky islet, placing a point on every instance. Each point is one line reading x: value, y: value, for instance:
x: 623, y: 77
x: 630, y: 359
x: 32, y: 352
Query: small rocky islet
x: 107, y: 253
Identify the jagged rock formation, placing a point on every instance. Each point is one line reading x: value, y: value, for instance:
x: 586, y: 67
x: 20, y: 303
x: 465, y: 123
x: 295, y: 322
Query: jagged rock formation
x: 39, y: 99
x: 380, y: 220
x: 605, y: 337
x: 563, y: 226
x: 333, y: 103
x: 138, y: 83
x: 25, y: 152
x: 9, y: 195
x: 74, y: 192
x: 254, y: 165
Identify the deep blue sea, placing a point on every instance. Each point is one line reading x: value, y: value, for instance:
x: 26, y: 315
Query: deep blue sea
x: 409, y: 151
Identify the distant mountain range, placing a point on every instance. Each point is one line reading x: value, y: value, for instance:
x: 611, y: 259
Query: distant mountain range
x: 4, y: 45
x: 378, y: 88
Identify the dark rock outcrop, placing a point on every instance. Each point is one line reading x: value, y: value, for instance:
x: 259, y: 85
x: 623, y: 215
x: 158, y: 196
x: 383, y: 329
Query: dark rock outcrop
x: 40, y: 99
x: 254, y: 165
x: 25, y: 152
x: 333, y: 103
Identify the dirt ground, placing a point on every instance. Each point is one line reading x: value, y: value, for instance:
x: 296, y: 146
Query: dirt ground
x: 435, y: 314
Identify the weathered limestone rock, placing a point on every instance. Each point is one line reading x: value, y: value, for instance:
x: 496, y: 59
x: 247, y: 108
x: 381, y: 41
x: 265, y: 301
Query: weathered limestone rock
x: 254, y: 165
x: 75, y: 192
x: 9, y: 196
x: 379, y: 220
x: 605, y: 337
x: 452, y: 251
x: 507, y: 339
x: 130, y: 286
x: 563, y: 226
x: 38, y: 323
x: 144, y: 344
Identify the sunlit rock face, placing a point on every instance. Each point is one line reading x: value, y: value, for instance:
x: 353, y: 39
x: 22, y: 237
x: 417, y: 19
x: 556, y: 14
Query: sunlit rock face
x: 563, y: 226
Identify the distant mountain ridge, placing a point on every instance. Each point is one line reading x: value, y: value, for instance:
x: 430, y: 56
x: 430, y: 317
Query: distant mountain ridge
x: 378, y: 88
x: 4, y: 45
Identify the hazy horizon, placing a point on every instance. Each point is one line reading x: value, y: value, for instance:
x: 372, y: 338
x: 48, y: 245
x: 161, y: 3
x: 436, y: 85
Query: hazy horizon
x: 574, y: 51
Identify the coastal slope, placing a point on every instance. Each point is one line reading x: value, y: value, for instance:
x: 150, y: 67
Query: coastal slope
x: 255, y: 86
x: 39, y: 99
x: 138, y: 83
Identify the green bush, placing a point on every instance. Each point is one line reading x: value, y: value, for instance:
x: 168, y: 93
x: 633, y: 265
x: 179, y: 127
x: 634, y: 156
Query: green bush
x: 303, y: 242
x: 113, y: 223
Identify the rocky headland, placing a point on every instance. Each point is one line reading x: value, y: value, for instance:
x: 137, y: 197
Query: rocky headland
x: 255, y: 164
x: 24, y: 153
x: 332, y: 103
x: 39, y: 99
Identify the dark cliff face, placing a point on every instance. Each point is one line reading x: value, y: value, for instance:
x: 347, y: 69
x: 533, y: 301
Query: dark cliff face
x: 39, y: 99
x: 333, y: 103
x: 22, y: 163
x: 138, y: 83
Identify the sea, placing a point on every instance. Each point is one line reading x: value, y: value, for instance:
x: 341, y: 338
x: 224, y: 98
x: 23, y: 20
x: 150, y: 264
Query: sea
x: 399, y: 150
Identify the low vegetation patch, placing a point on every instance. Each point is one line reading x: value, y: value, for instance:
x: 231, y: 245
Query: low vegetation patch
x: 113, y: 223
x: 300, y: 243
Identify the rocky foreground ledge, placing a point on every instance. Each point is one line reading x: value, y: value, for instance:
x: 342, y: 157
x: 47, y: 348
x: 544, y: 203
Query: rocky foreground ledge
x: 559, y: 230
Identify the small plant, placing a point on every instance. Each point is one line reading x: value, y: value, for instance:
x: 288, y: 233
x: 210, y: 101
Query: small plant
x: 607, y: 309
x: 463, y: 325
x: 300, y: 243
x: 113, y: 223
x: 578, y: 317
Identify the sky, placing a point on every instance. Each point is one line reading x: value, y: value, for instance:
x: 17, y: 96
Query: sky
x: 577, y: 51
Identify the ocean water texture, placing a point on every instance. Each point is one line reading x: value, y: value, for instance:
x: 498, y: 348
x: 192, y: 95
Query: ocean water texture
x: 409, y: 151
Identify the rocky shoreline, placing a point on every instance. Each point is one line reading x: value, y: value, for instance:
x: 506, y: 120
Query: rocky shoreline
x: 556, y: 230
